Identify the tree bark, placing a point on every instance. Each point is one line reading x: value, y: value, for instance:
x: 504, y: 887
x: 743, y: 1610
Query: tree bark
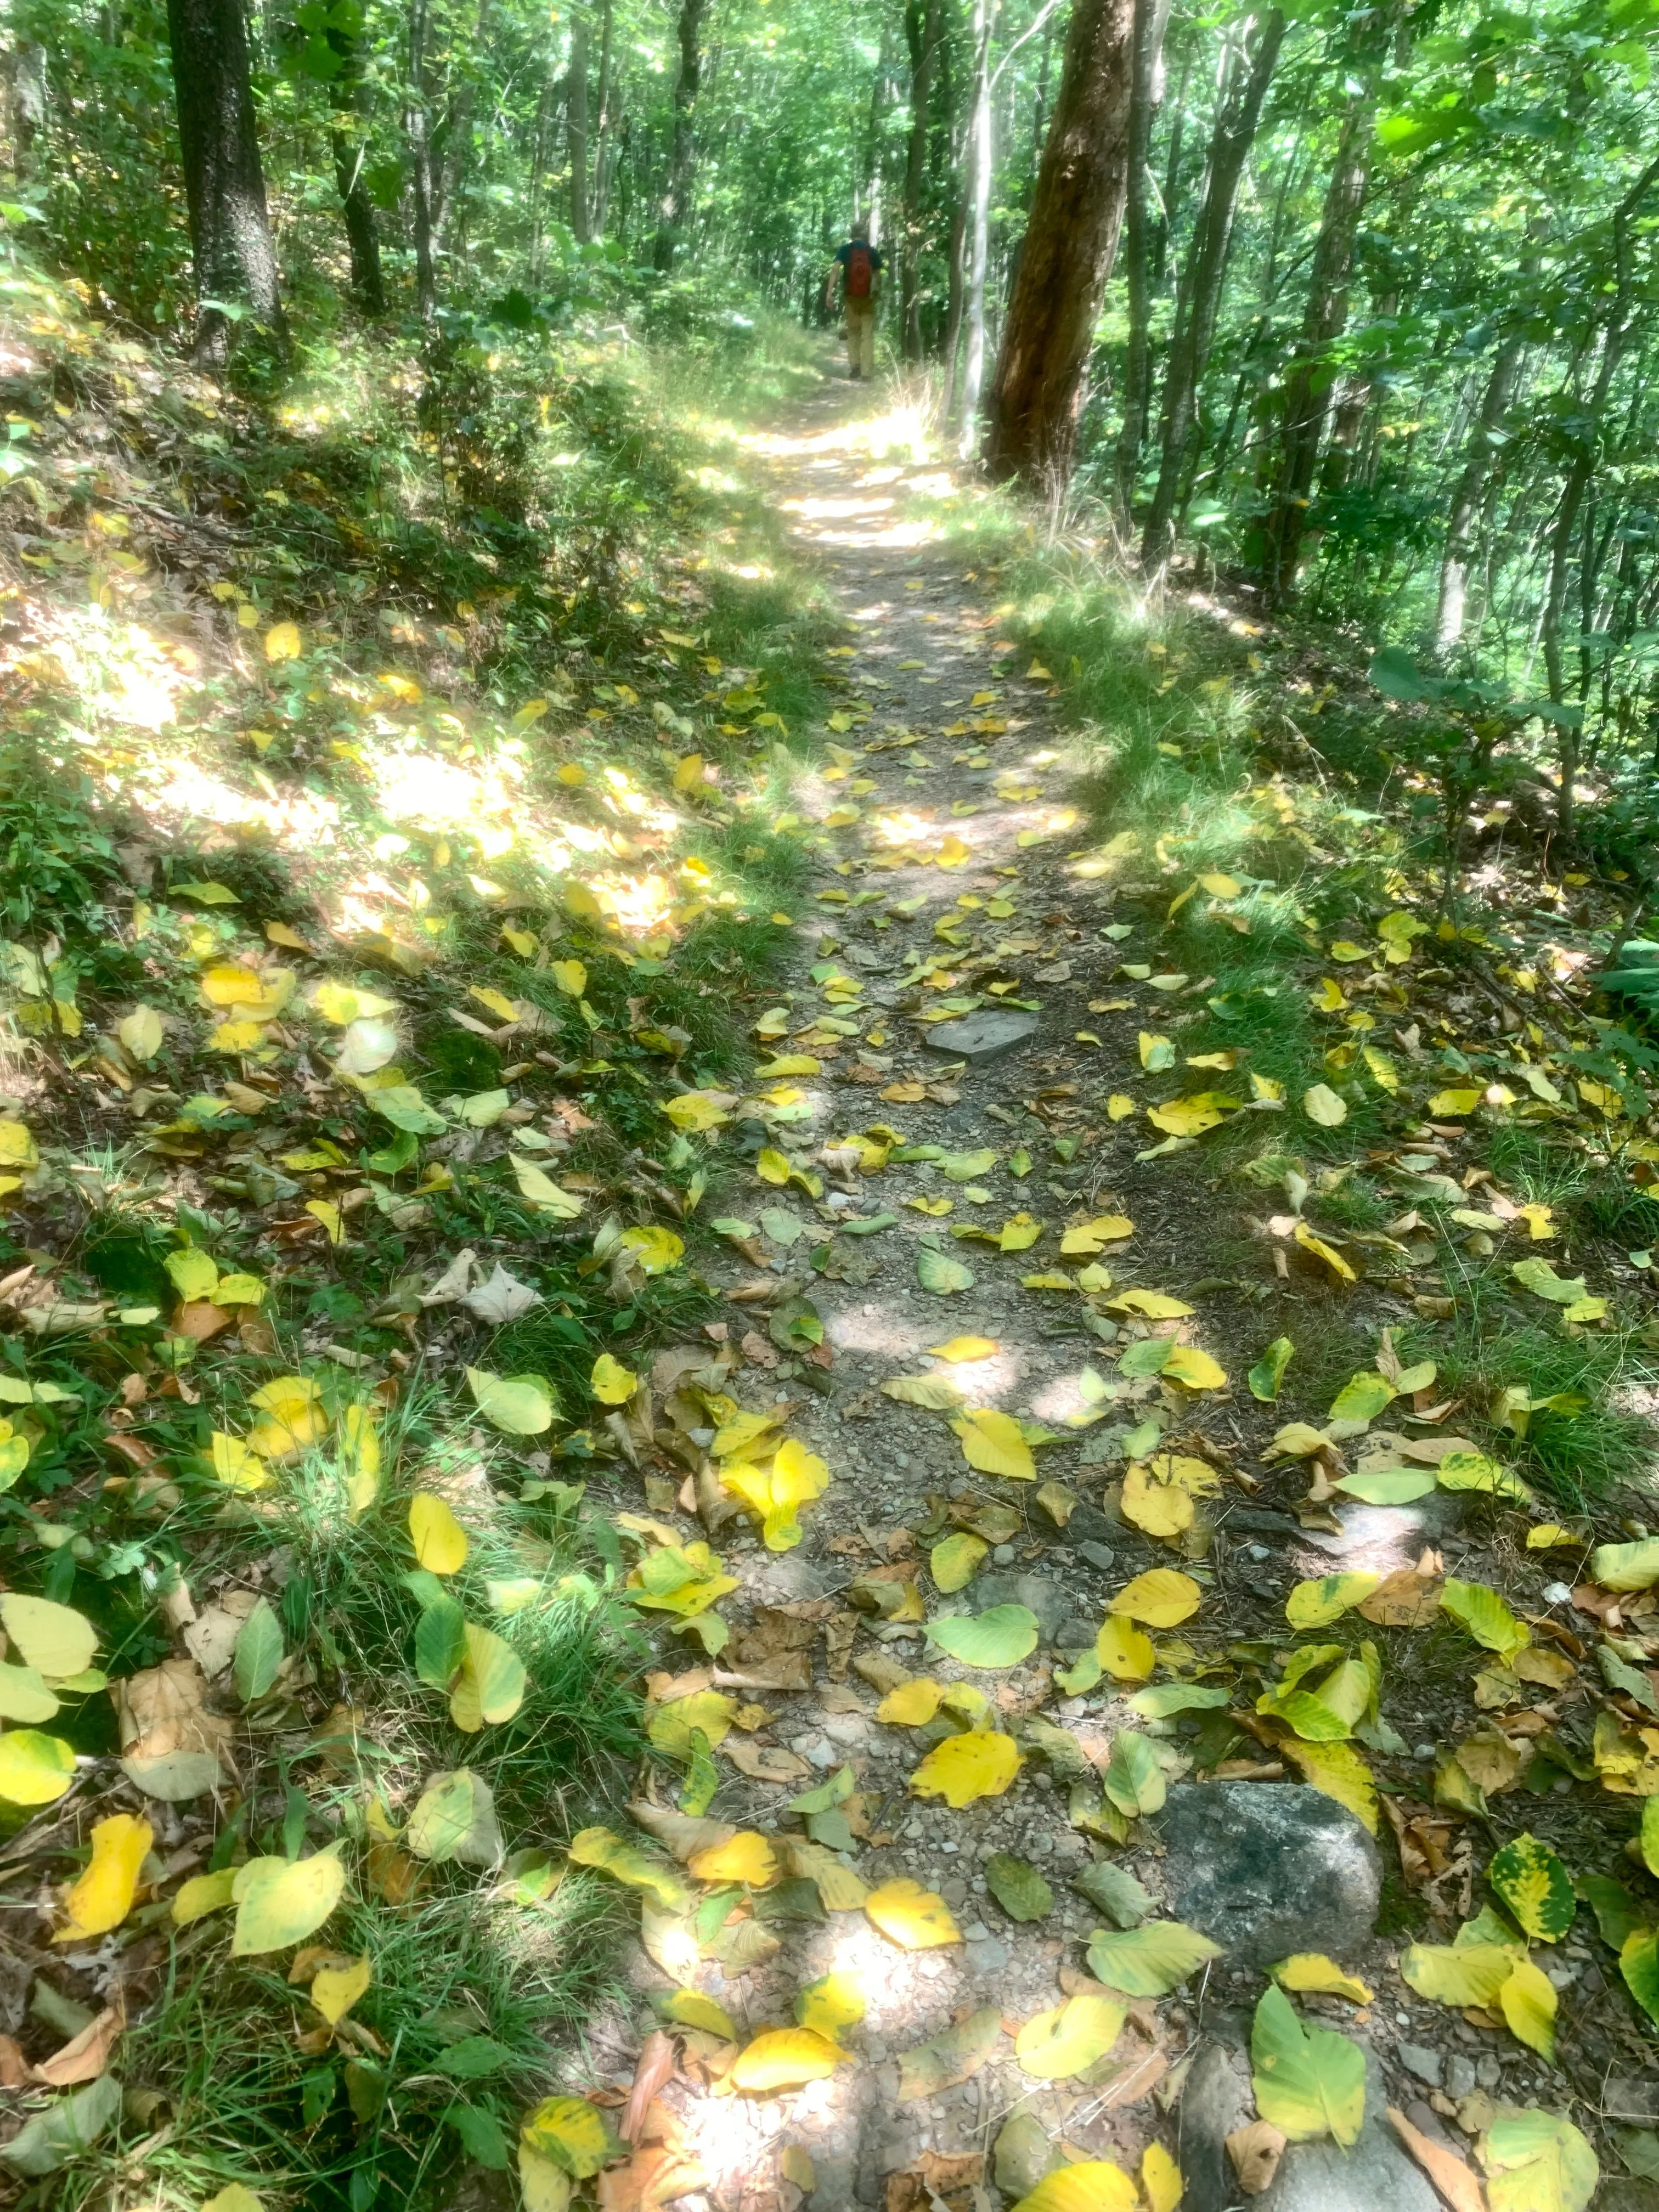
x: 1204, y: 272
x: 682, y: 162
x: 348, y: 143
x: 979, y: 225
x: 1306, y: 398
x: 1470, y: 492
x: 1165, y: 220
x: 418, y: 128
x: 229, y: 228
x: 1150, y: 17
x: 576, y: 126
x: 1622, y: 322
x: 601, y: 144
x: 26, y: 102
x: 1076, y: 210
x: 922, y: 32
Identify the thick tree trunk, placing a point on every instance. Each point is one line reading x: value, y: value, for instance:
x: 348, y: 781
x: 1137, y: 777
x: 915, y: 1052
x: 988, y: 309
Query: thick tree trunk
x: 576, y: 125
x: 1204, y: 274
x: 1467, y: 498
x: 682, y: 161
x: 922, y: 31
x: 1076, y: 210
x: 225, y: 186
x: 25, y: 68
x: 1150, y: 17
x: 1306, y: 397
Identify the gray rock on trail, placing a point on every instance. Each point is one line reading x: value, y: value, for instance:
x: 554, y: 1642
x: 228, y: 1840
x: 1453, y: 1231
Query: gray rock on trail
x: 1376, y: 2175
x: 1039, y: 1595
x: 981, y: 1035
x: 1269, y: 1868
x: 1384, y: 1537
x: 1215, y: 2100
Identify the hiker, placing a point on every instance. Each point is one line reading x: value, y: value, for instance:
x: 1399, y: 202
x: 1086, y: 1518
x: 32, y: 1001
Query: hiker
x: 861, y: 288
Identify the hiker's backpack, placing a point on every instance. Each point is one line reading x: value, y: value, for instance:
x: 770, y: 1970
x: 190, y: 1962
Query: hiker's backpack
x: 860, y: 272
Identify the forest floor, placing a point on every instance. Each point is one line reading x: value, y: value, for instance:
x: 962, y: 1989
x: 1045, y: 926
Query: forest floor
x: 1167, y: 1301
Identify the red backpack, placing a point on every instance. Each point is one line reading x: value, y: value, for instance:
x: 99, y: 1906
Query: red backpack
x: 860, y: 272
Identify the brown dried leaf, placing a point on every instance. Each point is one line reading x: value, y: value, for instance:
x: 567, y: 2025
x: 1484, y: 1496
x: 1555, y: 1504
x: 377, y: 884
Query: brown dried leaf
x: 1457, y: 2181
x: 84, y: 2057
x: 683, y: 1833
x: 1255, y: 2151
x: 1406, y: 1599
x: 764, y: 1762
x: 657, y: 2066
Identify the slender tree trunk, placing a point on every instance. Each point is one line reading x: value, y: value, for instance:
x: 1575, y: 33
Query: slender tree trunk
x: 602, y: 142
x: 1623, y: 320
x: 218, y: 136
x: 1042, y: 374
x: 1163, y: 226
x: 539, y: 145
x: 681, y: 162
x: 1307, y: 387
x: 954, y: 304
x: 348, y: 143
x: 1150, y: 18
x: 1469, y: 494
x: 922, y: 31
x: 1203, y: 273
x: 576, y: 123
x: 417, y: 127
x: 979, y: 224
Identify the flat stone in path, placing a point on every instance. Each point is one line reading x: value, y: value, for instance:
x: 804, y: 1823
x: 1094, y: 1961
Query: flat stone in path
x: 1036, y: 1592
x: 985, y: 1035
x: 1377, y: 2175
x: 1268, y: 1868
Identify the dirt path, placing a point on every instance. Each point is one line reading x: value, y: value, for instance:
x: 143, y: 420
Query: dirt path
x: 949, y: 827
x: 927, y: 654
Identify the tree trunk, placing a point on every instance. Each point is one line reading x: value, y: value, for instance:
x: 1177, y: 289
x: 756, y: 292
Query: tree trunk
x: 576, y: 119
x: 681, y: 162
x: 348, y: 142
x: 922, y: 27
x: 229, y: 228
x: 417, y: 127
x: 1165, y: 221
x: 1306, y: 388
x: 1466, y: 498
x: 1203, y: 274
x: 1042, y: 375
x: 1622, y: 322
x: 601, y: 144
x: 953, y: 306
x: 1150, y: 19
x: 979, y: 225
x: 26, y: 102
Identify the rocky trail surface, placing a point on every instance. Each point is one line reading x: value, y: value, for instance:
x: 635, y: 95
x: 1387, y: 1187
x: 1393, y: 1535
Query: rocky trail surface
x: 1000, y: 1630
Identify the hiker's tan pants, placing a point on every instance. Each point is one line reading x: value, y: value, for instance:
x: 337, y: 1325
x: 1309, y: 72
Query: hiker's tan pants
x: 862, y: 336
